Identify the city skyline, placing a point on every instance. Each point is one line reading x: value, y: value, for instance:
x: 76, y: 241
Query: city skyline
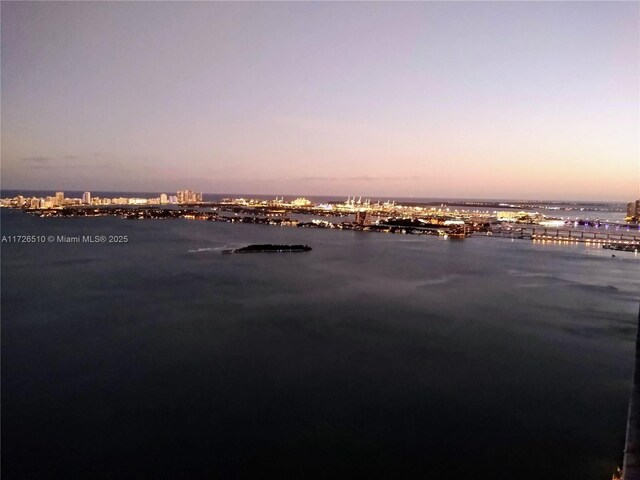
x: 32, y: 192
x: 452, y: 100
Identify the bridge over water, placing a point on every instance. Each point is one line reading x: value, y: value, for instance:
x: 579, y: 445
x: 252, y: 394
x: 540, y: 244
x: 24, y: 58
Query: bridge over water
x: 536, y: 232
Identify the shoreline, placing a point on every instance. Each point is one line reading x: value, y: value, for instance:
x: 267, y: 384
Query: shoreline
x: 627, y: 242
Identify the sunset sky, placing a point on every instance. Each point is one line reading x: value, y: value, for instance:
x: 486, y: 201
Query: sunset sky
x: 477, y: 100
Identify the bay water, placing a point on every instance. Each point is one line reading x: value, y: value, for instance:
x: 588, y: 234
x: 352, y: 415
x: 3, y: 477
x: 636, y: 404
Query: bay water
x: 372, y: 356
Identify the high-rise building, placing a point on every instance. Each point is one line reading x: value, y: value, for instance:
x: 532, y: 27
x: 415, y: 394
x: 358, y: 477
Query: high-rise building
x: 633, y: 211
x: 86, y: 198
x: 163, y: 198
x: 187, y: 196
x: 59, y: 198
x: 362, y: 217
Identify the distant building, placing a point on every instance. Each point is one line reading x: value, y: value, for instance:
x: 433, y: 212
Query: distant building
x: 510, y: 216
x: 633, y: 211
x: 362, y: 217
x: 518, y: 217
x: 59, y: 198
x: 163, y: 198
x: 86, y: 198
x: 301, y: 202
x: 187, y: 196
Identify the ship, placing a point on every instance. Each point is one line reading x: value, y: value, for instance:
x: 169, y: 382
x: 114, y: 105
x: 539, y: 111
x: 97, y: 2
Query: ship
x: 270, y: 248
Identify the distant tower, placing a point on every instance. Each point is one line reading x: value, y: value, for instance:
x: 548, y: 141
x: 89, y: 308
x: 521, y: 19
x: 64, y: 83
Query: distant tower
x: 86, y: 198
x: 633, y: 211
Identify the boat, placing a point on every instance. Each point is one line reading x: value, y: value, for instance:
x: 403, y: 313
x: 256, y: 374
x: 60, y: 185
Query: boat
x: 270, y: 248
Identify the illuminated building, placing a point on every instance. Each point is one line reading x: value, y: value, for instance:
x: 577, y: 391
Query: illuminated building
x: 633, y: 211
x: 86, y: 198
x: 187, y: 196
x: 362, y: 217
x: 509, y: 216
x: 301, y: 202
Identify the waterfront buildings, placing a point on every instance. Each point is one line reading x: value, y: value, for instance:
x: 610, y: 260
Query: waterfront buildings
x: 362, y: 217
x: 58, y: 200
x: 188, y: 196
x: 301, y: 202
x: 519, y: 217
x: 633, y: 211
x: 366, y: 213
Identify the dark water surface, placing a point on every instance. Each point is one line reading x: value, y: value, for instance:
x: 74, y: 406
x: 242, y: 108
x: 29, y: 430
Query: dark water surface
x: 373, y: 356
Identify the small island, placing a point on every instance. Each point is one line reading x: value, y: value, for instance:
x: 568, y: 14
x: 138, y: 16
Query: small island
x: 269, y: 248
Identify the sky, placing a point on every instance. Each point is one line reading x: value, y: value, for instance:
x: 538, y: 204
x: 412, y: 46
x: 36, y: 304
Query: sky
x: 437, y: 99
